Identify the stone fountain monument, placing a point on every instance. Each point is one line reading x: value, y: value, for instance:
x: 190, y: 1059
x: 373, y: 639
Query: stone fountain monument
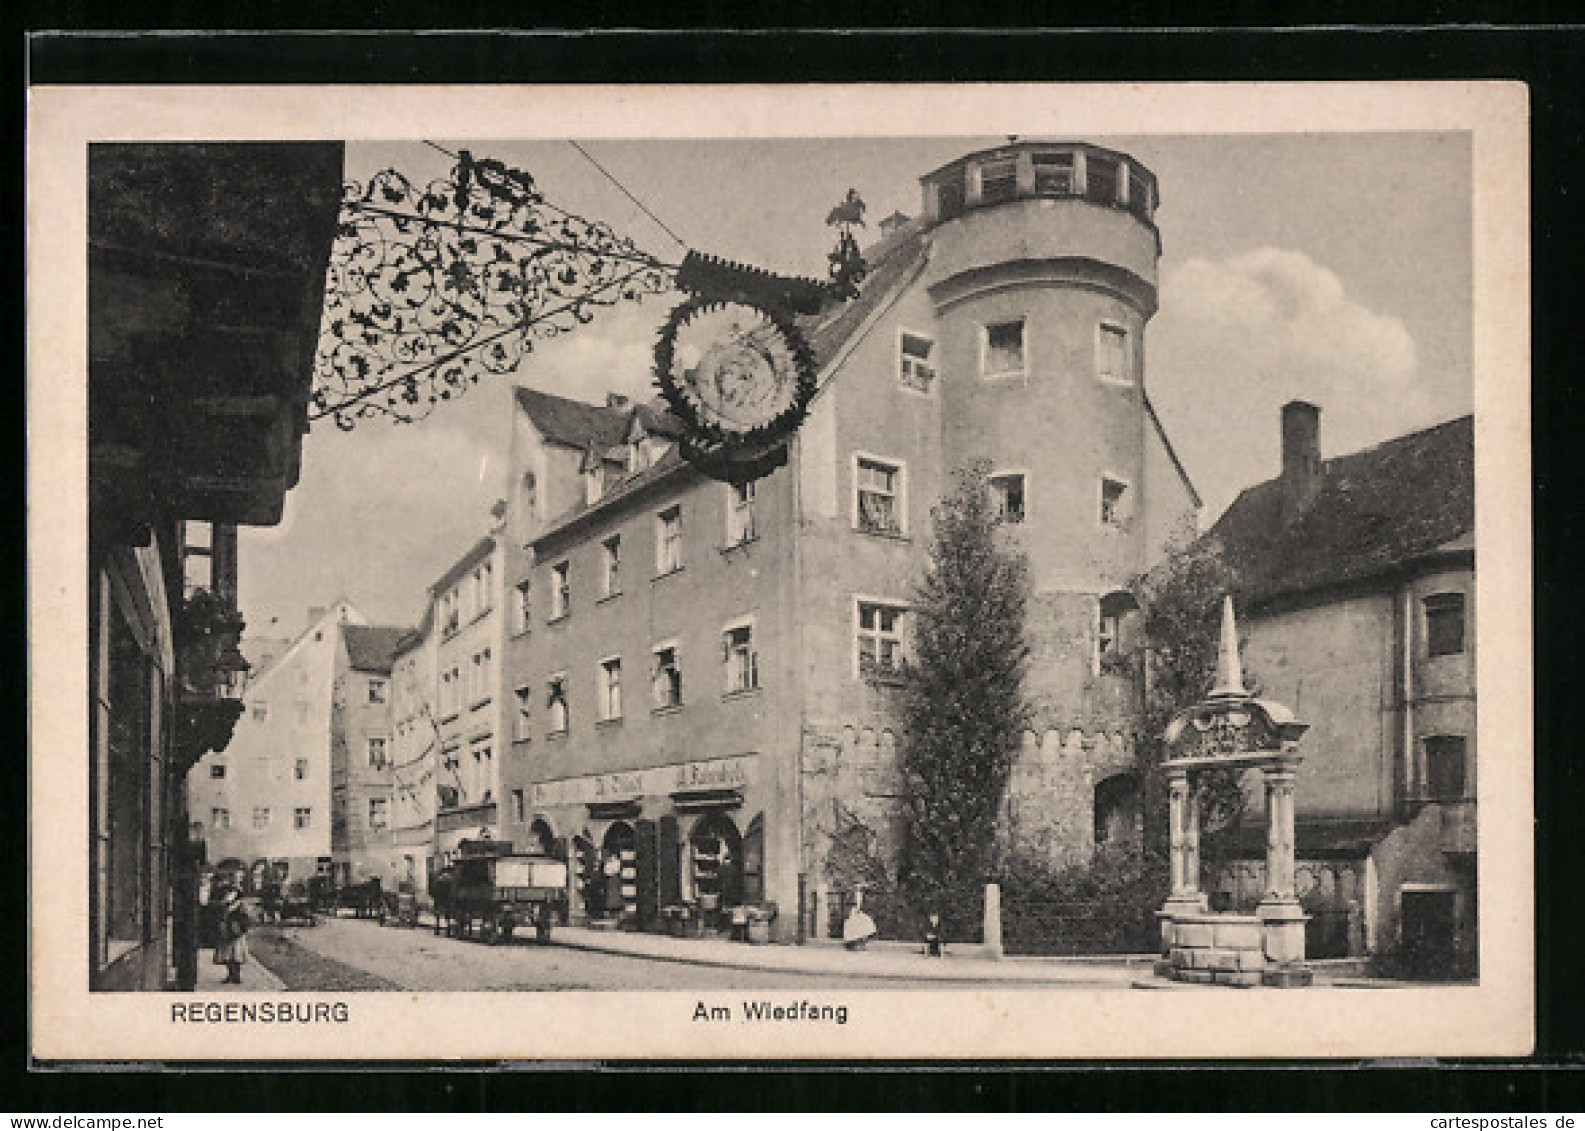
x: 1232, y: 729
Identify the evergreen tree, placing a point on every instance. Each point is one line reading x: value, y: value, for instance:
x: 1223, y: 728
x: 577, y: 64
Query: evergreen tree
x: 964, y: 703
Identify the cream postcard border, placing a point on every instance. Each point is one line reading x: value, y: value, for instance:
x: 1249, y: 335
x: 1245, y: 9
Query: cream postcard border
x: 68, y: 1022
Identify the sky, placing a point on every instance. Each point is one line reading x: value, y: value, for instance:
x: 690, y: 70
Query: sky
x: 1335, y: 268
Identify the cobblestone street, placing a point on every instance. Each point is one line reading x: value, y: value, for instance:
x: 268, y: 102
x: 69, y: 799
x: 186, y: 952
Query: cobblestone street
x: 359, y: 954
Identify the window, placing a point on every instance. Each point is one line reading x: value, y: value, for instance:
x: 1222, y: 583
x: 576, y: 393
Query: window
x: 1444, y: 624
x: 377, y: 691
x: 560, y: 590
x: 218, y: 770
x: 486, y: 587
x: 302, y: 816
x: 879, y: 639
x: 742, y: 663
x: 666, y: 683
x: 611, y: 689
x: 300, y: 769
x: 1113, y: 502
x: 1444, y: 767
x: 1111, y: 354
x: 522, y: 607
x: 668, y: 541
x: 611, y: 552
x: 1053, y: 174
x: 998, y: 180
x: 261, y: 710
x: 220, y: 818
x: 483, y: 774
x: 1007, y: 497
x: 525, y: 703
x: 637, y: 456
x: 915, y: 365
x: 519, y: 809
x: 1002, y: 349
x: 878, y: 496
x: 1102, y: 178
x: 556, y: 704
x: 377, y: 817
x: 739, y: 513
x: 377, y: 753
x: 481, y: 681
x: 261, y: 816
x: 450, y: 619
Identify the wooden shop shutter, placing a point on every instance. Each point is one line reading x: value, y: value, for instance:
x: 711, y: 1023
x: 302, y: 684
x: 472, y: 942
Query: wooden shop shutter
x: 670, y: 854
x: 648, y: 903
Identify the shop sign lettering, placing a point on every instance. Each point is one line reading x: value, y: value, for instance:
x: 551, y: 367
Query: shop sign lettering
x: 659, y: 781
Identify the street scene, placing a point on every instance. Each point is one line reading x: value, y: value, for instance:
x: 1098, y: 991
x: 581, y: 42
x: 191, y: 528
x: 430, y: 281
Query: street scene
x: 687, y: 565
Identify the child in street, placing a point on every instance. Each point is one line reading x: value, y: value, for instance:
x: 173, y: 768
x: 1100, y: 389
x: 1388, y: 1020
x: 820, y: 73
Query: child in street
x: 232, y: 949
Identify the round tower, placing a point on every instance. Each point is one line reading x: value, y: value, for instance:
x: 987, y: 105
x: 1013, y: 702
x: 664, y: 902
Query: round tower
x: 1043, y: 275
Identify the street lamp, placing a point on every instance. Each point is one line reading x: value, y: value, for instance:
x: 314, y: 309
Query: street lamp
x: 231, y: 672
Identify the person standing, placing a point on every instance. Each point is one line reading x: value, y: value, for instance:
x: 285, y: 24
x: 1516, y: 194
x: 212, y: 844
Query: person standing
x: 232, y: 949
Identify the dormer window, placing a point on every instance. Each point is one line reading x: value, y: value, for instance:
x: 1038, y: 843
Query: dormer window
x: 637, y: 456
x: 592, y: 486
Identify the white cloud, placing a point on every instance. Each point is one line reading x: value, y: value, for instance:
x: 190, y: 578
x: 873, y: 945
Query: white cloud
x: 1236, y: 339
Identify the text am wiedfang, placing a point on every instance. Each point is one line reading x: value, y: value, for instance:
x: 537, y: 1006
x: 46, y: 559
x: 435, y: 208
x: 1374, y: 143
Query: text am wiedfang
x: 766, y: 1012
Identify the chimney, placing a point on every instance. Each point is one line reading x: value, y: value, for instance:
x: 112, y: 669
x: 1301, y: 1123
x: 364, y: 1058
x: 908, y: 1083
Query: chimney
x: 1301, y: 457
x: 616, y: 400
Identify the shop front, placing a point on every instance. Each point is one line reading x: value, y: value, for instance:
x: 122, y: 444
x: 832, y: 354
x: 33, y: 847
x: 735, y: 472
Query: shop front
x: 672, y: 848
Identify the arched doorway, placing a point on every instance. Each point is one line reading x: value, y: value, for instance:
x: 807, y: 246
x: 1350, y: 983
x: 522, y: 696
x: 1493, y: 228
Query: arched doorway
x: 585, y: 862
x: 619, y: 873
x: 541, y: 838
x: 715, y: 861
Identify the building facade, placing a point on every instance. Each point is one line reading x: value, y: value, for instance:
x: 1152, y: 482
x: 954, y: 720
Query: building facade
x: 1356, y: 580
x: 705, y: 677
x: 467, y: 650
x: 206, y: 274
x: 363, y: 844
x: 414, y: 748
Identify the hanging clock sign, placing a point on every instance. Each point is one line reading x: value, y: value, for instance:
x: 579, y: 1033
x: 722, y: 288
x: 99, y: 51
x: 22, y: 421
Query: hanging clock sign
x: 738, y: 374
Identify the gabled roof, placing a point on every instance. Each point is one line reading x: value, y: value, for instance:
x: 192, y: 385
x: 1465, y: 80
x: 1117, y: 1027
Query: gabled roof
x: 1376, y: 510
x: 477, y: 553
x: 575, y: 424
x: 891, y: 261
x: 371, y: 646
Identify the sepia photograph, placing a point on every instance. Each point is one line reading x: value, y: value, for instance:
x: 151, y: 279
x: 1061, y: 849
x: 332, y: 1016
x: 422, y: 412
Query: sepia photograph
x: 843, y: 572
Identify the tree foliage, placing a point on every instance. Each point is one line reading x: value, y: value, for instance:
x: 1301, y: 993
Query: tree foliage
x: 965, y: 709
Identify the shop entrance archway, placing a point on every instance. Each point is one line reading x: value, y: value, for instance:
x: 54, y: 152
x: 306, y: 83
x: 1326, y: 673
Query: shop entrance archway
x: 715, y: 861
x: 619, y: 873
x: 541, y: 838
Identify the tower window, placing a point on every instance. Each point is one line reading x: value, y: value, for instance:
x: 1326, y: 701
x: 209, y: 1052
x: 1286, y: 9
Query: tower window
x: 998, y: 180
x: 1103, y: 179
x: 1007, y: 497
x: 1053, y: 174
x: 217, y: 770
x: 1114, y: 502
x: 1444, y: 624
x: 1002, y: 349
x: 1111, y: 354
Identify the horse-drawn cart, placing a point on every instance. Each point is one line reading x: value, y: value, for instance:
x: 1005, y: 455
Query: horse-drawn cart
x: 491, y: 891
